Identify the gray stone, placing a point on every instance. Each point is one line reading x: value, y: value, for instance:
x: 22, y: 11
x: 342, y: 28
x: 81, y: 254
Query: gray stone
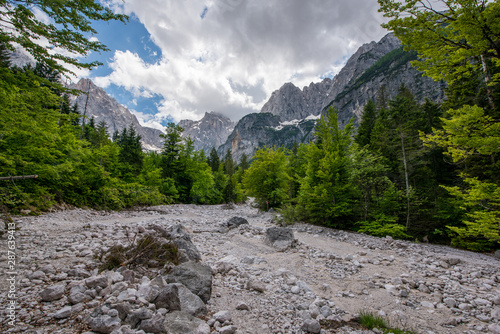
x: 311, y: 326
x: 494, y: 328
x: 53, y: 293
x: 228, y: 329
x: 450, y: 302
x: 254, y: 284
x: 223, y: 316
x: 482, y: 302
x: 97, y: 281
x: 453, y: 260
x: 190, y: 302
x: 123, y: 309
x: 184, y: 243
x: 314, y: 311
x: 65, y: 312
x: 427, y: 304
x: 79, y: 272
x: 465, y: 307
x: 37, y: 275
x: 168, y: 298
x: 495, y: 313
x: 124, y: 330
x: 423, y: 288
x: 77, y: 295
x: 137, y: 316
x: 235, y: 222
x: 197, y: 277
x: 48, y: 269
x: 203, y: 329
x: 242, y: 306
x: 179, y: 322
x: 104, y: 324
x: 326, y: 311
x: 159, y: 281
x: 280, y: 238
x: 497, y: 254
x: 154, y: 325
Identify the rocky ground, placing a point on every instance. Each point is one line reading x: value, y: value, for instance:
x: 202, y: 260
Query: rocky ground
x: 325, y: 278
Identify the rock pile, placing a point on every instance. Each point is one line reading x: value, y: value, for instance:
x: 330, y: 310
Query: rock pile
x: 239, y: 280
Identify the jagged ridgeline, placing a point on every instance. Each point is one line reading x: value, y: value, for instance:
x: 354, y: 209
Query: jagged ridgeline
x: 290, y: 114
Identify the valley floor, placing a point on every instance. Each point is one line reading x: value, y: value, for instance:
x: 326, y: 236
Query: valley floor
x: 329, y: 274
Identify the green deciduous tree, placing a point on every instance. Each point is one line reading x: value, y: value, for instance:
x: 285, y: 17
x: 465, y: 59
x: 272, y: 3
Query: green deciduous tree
x: 65, y: 39
x: 325, y: 191
x: 453, y: 39
x: 267, y: 179
x: 467, y: 135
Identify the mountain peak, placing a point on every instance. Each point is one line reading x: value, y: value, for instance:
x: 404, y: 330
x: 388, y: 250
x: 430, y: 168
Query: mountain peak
x: 103, y: 107
x: 211, y: 131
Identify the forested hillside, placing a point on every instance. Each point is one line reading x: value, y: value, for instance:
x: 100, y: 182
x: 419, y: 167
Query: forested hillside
x: 418, y: 171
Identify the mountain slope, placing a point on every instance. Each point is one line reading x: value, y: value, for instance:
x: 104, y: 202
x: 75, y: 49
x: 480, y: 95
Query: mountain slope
x: 103, y: 107
x: 291, y: 109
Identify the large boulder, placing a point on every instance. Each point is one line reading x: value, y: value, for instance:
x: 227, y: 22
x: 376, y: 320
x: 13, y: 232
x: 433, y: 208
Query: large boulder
x: 176, y: 233
x: 235, y: 222
x: 196, y: 276
x: 280, y: 238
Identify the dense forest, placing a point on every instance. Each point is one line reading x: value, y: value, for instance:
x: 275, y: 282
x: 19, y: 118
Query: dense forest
x: 413, y: 171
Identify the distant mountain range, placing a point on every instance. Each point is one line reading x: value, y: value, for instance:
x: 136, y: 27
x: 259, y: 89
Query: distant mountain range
x: 290, y: 114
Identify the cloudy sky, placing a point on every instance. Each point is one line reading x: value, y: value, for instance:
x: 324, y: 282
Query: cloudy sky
x: 177, y: 59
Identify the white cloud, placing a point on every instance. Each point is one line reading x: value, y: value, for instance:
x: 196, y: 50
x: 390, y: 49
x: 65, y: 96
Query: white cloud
x: 240, y: 52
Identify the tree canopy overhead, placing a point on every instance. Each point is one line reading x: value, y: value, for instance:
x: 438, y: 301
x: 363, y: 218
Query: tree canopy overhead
x: 454, y: 38
x: 62, y: 40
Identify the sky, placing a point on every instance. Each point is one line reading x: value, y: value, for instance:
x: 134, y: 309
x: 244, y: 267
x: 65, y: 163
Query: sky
x: 177, y: 59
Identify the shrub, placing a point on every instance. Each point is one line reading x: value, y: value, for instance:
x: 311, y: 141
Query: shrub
x: 148, y: 251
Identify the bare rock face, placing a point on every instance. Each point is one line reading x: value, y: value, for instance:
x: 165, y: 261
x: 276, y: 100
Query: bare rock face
x: 103, y: 107
x: 211, y: 131
x: 292, y: 103
x: 290, y: 114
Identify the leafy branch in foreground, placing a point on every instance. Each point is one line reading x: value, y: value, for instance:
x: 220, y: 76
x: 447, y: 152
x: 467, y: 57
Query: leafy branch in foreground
x: 64, y: 37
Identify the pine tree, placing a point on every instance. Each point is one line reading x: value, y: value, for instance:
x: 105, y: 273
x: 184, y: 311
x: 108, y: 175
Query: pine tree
x: 214, y: 160
x: 367, y: 123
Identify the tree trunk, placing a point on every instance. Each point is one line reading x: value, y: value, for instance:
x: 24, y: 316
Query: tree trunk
x: 406, y: 180
x: 487, y: 80
x: 85, y: 111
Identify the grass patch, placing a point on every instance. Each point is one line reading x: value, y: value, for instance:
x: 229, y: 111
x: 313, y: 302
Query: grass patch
x: 370, y: 321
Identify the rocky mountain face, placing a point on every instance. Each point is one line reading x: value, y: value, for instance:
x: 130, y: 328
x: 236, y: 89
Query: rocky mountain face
x: 260, y: 129
x: 211, y: 131
x: 291, y: 103
x: 290, y: 113
x: 103, y: 107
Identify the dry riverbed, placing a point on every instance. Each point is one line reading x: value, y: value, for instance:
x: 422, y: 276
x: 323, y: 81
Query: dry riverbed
x: 329, y: 274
